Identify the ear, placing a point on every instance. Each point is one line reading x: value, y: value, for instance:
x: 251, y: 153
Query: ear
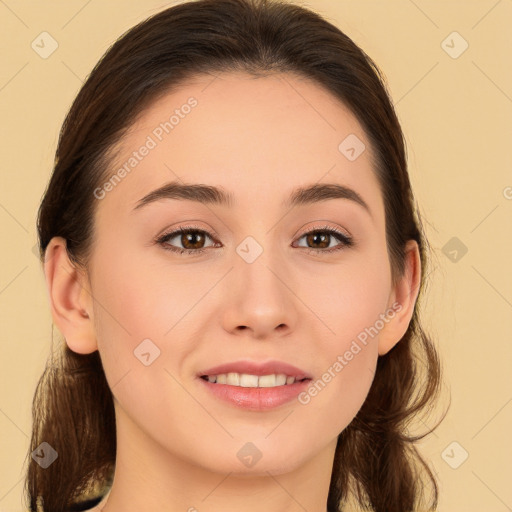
x: 402, y: 300
x: 70, y: 298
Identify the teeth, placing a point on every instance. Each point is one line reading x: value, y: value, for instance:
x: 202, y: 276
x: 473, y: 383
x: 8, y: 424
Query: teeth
x: 280, y: 379
x: 248, y: 381
x: 233, y: 379
x: 267, y: 381
x: 252, y: 381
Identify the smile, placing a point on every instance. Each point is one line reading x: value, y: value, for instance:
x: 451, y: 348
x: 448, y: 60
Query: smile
x: 246, y: 380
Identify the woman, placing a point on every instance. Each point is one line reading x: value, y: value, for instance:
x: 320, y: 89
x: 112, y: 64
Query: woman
x: 234, y: 260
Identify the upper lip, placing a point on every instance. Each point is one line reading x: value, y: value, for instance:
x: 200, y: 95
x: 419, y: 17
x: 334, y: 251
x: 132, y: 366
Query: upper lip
x: 257, y: 368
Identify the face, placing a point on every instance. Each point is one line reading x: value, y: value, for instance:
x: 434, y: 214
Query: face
x: 255, y: 283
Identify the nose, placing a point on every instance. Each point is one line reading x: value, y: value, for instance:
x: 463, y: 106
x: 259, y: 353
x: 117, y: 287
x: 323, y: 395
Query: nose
x: 259, y: 302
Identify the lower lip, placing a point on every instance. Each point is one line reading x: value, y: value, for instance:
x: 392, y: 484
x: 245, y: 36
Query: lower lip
x: 256, y: 399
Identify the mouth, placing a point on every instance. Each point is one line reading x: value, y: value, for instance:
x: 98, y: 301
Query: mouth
x: 245, y: 380
x: 254, y: 385
x: 272, y: 391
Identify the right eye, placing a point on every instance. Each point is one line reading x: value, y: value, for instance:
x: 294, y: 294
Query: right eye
x: 188, y: 236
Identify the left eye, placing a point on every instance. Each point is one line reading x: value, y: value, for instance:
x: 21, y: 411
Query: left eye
x: 320, y: 236
x: 193, y: 240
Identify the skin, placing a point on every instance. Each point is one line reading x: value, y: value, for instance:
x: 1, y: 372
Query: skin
x: 258, y: 138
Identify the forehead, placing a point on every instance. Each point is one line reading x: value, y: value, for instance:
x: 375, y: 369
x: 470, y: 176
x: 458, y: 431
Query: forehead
x: 257, y: 137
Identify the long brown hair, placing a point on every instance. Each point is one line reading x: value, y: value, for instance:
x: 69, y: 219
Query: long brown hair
x: 375, y: 459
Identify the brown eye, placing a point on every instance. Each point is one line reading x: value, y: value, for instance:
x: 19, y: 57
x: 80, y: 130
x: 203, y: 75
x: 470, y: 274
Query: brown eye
x: 319, y: 240
x: 192, y: 240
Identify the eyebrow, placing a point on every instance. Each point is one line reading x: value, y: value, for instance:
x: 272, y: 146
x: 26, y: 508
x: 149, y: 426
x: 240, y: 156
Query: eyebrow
x: 210, y: 194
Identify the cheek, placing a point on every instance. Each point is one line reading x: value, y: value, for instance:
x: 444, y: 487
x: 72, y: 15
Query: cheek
x: 348, y: 298
x: 136, y: 302
x: 134, y: 298
x: 124, y: 313
x: 344, y: 378
x: 348, y: 307
x: 134, y: 309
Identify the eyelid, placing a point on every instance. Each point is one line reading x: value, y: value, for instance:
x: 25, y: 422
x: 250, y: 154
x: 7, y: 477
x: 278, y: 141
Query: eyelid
x: 323, y: 227
x: 186, y: 226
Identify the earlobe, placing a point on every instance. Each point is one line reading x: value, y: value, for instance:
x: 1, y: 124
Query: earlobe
x: 402, y: 300
x: 70, y: 300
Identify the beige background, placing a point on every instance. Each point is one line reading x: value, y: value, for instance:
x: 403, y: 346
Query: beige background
x: 456, y: 115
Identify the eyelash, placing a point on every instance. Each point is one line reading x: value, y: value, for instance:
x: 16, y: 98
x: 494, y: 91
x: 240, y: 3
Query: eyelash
x: 345, y: 241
